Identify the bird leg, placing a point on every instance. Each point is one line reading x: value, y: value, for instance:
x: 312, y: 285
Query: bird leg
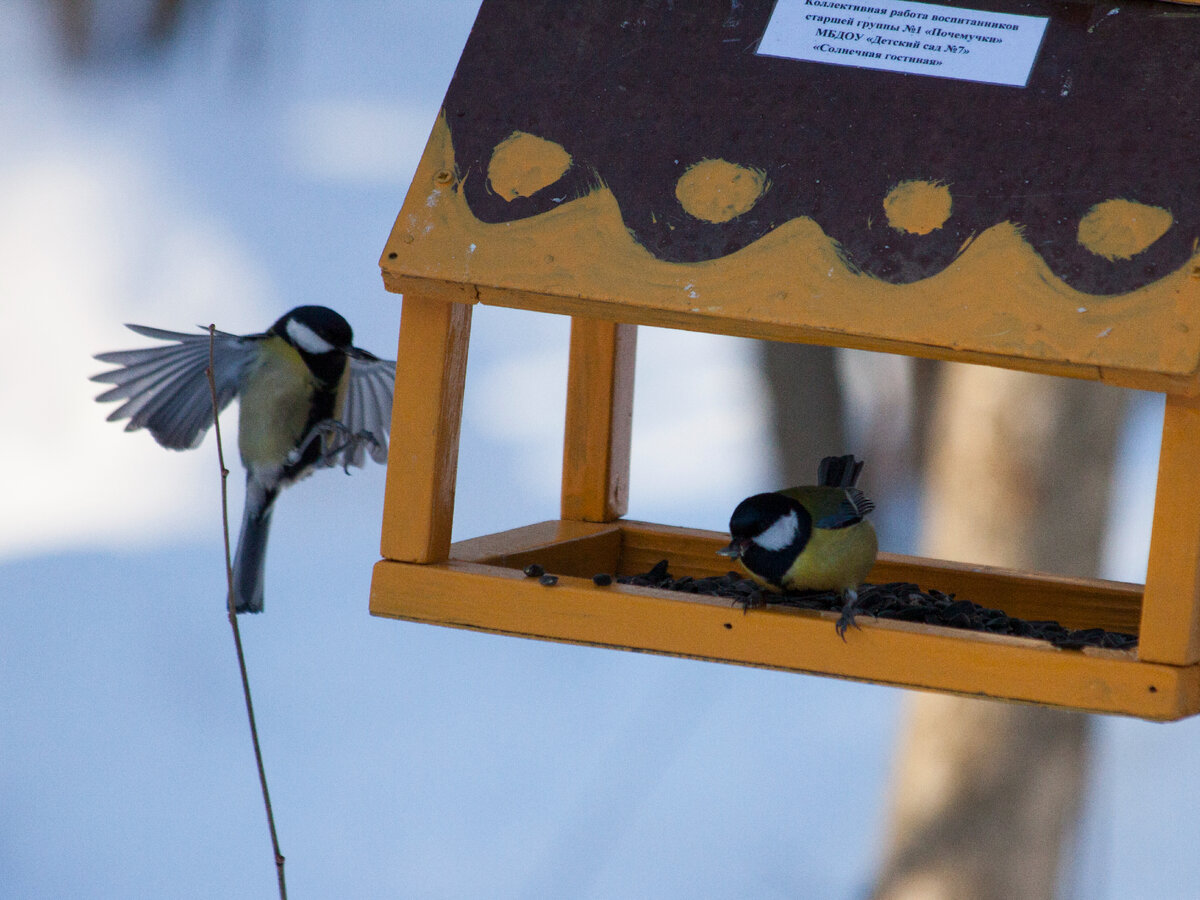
x: 846, y: 619
x: 329, y: 428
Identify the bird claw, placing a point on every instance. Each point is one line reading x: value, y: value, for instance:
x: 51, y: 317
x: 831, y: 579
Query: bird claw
x: 749, y: 602
x: 327, y: 429
x: 846, y: 619
x: 351, y: 440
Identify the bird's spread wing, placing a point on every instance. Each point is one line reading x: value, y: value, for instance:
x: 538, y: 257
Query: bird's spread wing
x: 856, y: 505
x: 165, y: 388
x: 832, y: 507
x: 367, y: 408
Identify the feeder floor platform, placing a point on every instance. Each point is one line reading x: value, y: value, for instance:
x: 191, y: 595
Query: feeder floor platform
x: 482, y: 587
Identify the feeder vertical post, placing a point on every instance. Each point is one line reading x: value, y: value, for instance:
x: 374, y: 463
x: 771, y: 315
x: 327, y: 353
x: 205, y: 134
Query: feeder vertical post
x: 431, y: 369
x: 595, y: 482
x: 1170, y: 628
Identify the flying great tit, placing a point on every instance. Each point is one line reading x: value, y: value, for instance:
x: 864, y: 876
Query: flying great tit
x: 809, y: 538
x: 308, y: 398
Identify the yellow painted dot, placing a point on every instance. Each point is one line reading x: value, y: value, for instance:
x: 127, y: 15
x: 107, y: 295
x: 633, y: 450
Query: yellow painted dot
x: 918, y: 207
x: 1121, y: 229
x: 522, y: 164
x: 716, y: 191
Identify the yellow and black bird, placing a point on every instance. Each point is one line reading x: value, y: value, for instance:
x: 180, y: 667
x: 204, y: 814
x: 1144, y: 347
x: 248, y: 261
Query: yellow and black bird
x: 307, y: 398
x: 814, y: 537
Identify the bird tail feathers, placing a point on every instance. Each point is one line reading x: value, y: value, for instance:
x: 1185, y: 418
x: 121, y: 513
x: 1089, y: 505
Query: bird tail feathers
x: 839, y: 471
x: 250, y: 560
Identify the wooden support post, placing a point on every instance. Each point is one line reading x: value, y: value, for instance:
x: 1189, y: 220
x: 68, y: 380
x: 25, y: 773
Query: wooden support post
x: 1170, y: 629
x: 595, y: 482
x: 431, y: 367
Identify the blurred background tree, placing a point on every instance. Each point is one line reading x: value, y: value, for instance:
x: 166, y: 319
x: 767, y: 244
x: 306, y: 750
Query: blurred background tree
x: 86, y: 27
x: 1012, y: 469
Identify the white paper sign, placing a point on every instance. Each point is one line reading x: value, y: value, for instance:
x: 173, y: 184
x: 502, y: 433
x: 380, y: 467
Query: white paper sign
x: 899, y: 36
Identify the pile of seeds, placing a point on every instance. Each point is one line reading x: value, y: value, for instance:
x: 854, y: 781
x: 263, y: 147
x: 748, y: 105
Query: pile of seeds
x: 897, y: 600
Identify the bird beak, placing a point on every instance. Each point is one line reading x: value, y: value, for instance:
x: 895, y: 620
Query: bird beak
x: 735, y: 549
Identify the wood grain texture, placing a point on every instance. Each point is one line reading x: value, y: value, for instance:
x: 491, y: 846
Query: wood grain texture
x: 482, y: 587
x: 599, y: 421
x: 632, y: 547
x: 1170, y: 628
x: 502, y: 600
x: 418, y: 508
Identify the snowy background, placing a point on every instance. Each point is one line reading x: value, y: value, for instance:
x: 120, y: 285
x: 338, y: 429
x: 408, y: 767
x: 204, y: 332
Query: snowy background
x: 258, y: 165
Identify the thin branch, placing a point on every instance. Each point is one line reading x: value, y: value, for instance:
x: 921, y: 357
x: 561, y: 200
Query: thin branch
x: 233, y: 621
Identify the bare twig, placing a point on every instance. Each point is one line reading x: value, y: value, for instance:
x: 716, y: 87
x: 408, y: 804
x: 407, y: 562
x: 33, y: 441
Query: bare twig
x: 233, y: 621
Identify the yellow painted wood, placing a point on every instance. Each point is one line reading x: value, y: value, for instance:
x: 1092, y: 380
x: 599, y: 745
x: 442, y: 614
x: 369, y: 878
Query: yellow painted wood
x: 1034, y: 596
x: 791, y: 284
x: 1072, y: 602
x: 494, y: 548
x: 423, y: 455
x: 580, y: 260
x: 1170, y: 629
x: 502, y: 600
x: 628, y: 548
x: 561, y: 547
x: 599, y: 423
x: 1183, y: 384
x: 769, y: 331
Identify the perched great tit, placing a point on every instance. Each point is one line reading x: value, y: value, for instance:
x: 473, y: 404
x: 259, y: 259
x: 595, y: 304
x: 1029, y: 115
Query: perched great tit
x: 308, y: 399
x: 809, y: 538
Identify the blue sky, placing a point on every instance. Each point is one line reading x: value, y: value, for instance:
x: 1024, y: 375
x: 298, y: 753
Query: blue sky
x: 258, y: 166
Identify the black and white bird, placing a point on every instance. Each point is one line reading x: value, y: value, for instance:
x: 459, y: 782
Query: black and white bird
x: 814, y: 537
x: 307, y: 399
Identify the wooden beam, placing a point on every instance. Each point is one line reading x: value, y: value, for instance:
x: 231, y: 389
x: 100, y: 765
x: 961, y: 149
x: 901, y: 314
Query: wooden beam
x: 563, y: 547
x: 574, y: 610
x: 1170, y: 630
x: 599, y: 425
x: 628, y: 548
x: 418, y: 508
x: 718, y: 322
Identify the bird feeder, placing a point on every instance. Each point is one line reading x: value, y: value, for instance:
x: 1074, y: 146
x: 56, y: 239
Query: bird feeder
x: 1003, y: 182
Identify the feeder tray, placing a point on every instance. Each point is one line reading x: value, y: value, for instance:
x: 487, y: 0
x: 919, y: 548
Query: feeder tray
x: 713, y: 171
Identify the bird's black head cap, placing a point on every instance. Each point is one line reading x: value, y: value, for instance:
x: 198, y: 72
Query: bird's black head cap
x: 324, y: 322
x: 756, y: 514
x: 784, y: 524
x: 320, y: 335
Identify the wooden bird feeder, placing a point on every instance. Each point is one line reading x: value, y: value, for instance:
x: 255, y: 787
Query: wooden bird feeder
x: 1007, y: 182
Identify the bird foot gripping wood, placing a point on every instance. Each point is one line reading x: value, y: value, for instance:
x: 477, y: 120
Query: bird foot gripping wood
x: 846, y: 619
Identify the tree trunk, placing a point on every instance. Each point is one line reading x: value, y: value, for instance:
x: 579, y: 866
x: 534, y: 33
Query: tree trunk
x: 986, y: 794
x: 806, y: 408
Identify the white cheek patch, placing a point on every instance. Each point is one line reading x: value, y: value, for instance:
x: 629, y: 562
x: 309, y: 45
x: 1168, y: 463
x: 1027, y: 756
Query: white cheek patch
x: 781, y: 534
x: 307, y: 339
